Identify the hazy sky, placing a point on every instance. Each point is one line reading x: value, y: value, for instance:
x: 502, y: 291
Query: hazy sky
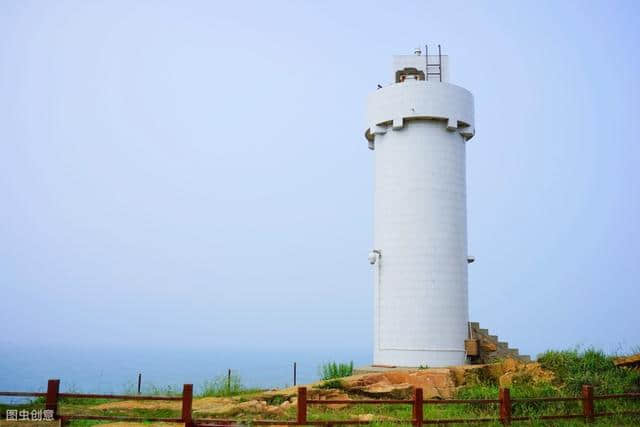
x: 195, y: 173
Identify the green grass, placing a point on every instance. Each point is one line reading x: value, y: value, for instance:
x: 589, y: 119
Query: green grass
x: 573, y: 368
x: 29, y: 406
x: 222, y: 386
x: 333, y: 383
x: 332, y: 370
x: 86, y: 423
x: 150, y: 389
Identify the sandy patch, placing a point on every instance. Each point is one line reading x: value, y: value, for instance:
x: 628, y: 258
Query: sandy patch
x: 140, y: 404
x: 202, y: 404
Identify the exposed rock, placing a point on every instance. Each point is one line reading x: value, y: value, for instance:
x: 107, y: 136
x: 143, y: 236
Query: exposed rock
x: 628, y: 361
x: 510, y: 365
x: 436, y: 383
x: 494, y: 370
x: 458, y: 373
x: 538, y: 374
x: 329, y: 395
x: 228, y: 409
x: 382, y: 391
x: 274, y: 409
x: 511, y: 371
x: 252, y: 406
x: 506, y: 379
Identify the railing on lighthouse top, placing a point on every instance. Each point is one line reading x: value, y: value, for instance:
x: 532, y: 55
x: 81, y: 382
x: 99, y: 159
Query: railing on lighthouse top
x: 435, y: 64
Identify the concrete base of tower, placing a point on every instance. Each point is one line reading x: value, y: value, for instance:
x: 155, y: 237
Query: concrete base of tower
x: 417, y: 358
x: 376, y: 369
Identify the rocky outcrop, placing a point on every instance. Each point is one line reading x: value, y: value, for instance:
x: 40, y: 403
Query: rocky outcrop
x: 442, y: 383
x: 435, y: 383
x: 628, y: 361
x: 275, y: 402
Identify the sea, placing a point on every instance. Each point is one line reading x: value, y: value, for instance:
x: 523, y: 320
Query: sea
x: 115, y: 370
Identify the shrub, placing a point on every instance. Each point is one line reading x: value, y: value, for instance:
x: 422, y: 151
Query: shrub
x: 574, y: 368
x: 333, y: 370
x: 276, y: 400
x: 223, y: 386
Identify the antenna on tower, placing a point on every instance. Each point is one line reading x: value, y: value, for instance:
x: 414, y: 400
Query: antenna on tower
x: 438, y: 64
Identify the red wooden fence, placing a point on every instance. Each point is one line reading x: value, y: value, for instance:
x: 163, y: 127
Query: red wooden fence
x: 53, y: 395
x: 504, y: 400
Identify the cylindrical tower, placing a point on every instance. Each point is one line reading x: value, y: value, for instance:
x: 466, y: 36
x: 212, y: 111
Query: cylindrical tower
x: 418, y: 127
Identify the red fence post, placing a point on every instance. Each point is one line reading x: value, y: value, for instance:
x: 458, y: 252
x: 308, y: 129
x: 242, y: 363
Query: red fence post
x: 302, y: 405
x: 505, y: 406
x: 51, y: 401
x: 187, y: 400
x: 587, y: 403
x: 418, y: 412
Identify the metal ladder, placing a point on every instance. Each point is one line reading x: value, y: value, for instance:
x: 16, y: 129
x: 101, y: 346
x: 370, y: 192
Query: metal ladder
x: 437, y: 64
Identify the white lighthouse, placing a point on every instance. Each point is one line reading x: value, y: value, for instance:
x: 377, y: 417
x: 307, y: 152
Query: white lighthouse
x: 418, y: 128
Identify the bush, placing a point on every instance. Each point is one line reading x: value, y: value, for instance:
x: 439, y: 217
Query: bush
x: 331, y: 370
x: 574, y: 368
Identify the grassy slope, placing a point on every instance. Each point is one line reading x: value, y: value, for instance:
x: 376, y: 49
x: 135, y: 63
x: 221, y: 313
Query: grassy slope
x: 571, y: 368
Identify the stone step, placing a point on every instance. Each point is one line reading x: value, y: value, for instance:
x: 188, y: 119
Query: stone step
x: 503, y: 346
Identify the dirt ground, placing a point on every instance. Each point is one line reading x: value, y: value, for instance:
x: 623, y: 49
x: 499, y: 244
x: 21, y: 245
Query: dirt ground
x: 200, y: 404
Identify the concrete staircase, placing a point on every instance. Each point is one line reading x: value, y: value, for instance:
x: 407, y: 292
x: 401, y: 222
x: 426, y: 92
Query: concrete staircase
x: 490, y: 348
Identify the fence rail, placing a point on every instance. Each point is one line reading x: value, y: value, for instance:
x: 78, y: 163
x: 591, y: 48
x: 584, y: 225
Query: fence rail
x: 504, y: 411
x: 118, y: 396
x: 504, y: 400
x: 53, y: 395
